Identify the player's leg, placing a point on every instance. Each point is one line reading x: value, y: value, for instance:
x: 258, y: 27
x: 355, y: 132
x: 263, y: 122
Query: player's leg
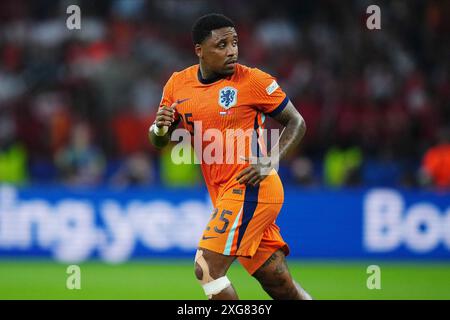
x: 276, y: 280
x: 268, y: 264
x: 210, y: 270
x: 215, y: 251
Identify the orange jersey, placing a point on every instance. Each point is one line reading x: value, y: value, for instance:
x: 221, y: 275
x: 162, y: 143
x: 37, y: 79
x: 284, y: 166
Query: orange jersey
x: 240, y: 101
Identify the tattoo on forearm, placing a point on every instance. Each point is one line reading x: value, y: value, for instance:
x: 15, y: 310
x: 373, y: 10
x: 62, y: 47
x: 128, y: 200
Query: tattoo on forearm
x: 290, y: 139
x: 294, y: 131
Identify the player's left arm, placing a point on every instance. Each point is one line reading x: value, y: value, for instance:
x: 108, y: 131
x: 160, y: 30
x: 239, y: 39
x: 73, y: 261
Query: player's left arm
x: 293, y: 132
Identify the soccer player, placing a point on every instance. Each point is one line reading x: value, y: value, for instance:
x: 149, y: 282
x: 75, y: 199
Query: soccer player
x: 218, y: 93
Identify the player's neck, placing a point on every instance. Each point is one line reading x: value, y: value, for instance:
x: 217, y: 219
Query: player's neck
x: 207, y: 77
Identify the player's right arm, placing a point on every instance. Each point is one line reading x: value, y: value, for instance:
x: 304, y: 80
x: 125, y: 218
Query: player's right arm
x: 167, y: 118
x: 165, y: 122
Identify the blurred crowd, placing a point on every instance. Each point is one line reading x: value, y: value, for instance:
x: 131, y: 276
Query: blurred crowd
x: 75, y: 105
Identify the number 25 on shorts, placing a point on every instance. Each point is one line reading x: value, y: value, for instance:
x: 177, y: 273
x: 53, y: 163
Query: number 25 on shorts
x: 222, y: 218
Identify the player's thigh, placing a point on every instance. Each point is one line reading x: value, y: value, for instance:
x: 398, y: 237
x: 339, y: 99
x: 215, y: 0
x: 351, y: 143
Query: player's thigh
x: 214, y: 264
x: 274, y: 271
x: 237, y: 227
x: 222, y: 228
x: 271, y: 242
x: 257, y: 225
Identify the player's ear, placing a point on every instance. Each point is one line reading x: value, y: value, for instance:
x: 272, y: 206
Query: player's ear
x: 198, y: 50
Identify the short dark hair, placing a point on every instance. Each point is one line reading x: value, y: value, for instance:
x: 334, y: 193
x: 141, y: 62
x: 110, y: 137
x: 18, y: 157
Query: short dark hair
x: 205, y: 24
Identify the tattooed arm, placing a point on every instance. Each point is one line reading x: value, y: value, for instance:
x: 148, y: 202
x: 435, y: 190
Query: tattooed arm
x: 293, y: 132
x: 294, y: 129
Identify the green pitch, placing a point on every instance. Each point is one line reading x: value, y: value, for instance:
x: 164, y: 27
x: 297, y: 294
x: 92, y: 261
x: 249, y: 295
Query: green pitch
x: 174, y: 279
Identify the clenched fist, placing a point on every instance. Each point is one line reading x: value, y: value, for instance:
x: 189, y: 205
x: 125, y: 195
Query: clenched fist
x: 165, y: 116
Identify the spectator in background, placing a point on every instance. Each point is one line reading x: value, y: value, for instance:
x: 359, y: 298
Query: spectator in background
x: 80, y: 163
x: 179, y: 175
x: 13, y: 156
x: 435, y: 168
x: 302, y: 171
x: 342, y: 165
x: 135, y: 170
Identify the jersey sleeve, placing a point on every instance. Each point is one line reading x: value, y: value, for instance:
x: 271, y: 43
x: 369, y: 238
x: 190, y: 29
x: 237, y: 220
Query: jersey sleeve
x: 167, y: 98
x: 267, y: 96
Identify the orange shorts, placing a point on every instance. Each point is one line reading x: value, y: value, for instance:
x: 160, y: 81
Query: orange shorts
x: 244, y: 229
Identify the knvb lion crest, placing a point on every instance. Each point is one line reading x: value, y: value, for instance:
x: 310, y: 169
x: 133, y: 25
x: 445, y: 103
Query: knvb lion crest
x: 227, y: 97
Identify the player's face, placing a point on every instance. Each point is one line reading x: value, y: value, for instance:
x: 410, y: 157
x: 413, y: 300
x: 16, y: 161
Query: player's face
x: 219, y: 52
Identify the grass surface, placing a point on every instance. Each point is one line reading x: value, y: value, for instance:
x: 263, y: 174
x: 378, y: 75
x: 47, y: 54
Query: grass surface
x: 174, y: 279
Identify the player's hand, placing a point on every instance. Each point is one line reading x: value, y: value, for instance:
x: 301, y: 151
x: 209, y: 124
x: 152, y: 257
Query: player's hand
x: 165, y: 116
x: 255, y: 173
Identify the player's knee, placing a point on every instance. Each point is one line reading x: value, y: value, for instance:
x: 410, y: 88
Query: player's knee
x: 198, y: 272
x: 211, y: 285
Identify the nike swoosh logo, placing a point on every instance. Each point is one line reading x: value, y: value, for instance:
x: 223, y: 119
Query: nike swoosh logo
x: 207, y: 238
x: 179, y: 101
